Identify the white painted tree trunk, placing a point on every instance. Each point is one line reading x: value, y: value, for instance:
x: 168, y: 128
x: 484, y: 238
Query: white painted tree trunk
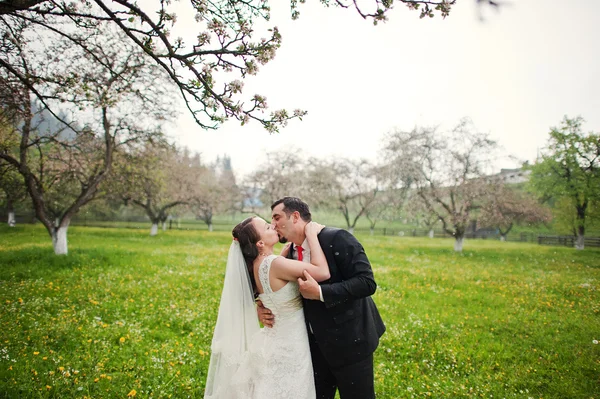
x: 11, y: 219
x: 210, y: 227
x: 351, y: 230
x: 154, y: 229
x: 430, y: 233
x: 580, y: 242
x: 372, y: 231
x: 458, y: 244
x: 502, y: 237
x: 59, y: 241
x: 164, y: 226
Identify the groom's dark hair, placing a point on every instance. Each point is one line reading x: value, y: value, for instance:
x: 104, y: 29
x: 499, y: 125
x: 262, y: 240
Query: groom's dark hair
x: 293, y: 204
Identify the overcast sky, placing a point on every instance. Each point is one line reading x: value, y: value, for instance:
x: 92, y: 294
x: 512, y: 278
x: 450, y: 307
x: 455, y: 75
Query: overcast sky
x: 515, y: 74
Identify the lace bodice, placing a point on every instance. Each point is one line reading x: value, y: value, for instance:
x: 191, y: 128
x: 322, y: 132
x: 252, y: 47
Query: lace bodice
x: 283, y: 302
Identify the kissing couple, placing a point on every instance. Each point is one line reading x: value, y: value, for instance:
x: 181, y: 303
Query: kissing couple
x: 314, y: 299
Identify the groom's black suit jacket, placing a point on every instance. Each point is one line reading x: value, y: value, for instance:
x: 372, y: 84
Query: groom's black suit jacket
x: 347, y: 326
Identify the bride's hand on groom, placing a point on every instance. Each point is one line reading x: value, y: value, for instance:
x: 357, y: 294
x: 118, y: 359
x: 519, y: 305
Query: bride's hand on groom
x: 265, y: 316
x: 313, y: 228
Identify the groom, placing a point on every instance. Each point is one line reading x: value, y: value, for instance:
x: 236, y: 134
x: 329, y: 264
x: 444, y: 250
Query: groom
x: 343, y: 323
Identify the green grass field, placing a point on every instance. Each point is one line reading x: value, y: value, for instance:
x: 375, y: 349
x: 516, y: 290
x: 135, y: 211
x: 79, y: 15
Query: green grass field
x: 126, y: 314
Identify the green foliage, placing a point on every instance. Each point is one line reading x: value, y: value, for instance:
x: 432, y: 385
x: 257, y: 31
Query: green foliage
x: 569, y: 171
x: 126, y: 312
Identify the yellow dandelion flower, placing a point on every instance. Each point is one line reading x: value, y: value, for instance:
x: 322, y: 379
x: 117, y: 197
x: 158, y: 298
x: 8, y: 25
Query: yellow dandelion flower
x: 20, y: 300
x: 61, y: 368
x: 132, y: 393
x: 122, y: 339
x: 36, y: 353
x: 48, y: 387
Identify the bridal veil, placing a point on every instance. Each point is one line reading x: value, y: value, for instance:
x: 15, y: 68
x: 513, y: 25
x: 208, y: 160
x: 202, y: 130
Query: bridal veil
x: 237, y: 322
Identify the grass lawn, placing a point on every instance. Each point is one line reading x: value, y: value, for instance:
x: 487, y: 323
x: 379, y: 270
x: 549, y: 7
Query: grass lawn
x: 126, y: 314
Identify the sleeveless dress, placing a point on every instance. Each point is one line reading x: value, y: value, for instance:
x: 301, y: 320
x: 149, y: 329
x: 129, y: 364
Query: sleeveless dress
x: 278, y: 363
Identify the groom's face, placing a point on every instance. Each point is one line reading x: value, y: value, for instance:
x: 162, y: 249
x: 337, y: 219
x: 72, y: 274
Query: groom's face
x: 283, y: 224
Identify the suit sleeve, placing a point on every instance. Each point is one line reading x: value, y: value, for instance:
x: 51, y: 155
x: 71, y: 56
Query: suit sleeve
x: 352, y: 262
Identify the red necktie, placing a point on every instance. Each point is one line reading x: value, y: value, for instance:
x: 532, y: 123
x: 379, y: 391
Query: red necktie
x: 299, y: 249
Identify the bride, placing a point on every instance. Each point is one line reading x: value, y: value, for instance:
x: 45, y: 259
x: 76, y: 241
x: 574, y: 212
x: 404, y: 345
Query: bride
x: 250, y: 362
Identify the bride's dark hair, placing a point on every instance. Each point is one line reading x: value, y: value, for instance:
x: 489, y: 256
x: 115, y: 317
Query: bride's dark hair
x: 247, y: 236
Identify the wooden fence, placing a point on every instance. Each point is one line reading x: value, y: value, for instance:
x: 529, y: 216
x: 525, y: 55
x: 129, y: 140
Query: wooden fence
x: 567, y: 241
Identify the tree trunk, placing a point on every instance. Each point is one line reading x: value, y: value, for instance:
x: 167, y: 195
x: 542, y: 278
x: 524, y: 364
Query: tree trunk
x: 502, y: 237
x: 154, y: 229
x: 372, y: 231
x: 59, y: 240
x: 11, y: 219
x: 11, y: 212
x: 351, y: 230
x: 580, y: 243
x: 210, y: 227
x: 458, y: 244
x: 430, y: 233
x: 580, y: 222
x: 164, y: 224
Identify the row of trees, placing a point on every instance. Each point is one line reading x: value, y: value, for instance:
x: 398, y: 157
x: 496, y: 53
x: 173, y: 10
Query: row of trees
x: 434, y: 177
x: 445, y: 177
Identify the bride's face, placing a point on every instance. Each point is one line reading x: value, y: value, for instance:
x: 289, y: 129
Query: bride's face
x: 266, y: 231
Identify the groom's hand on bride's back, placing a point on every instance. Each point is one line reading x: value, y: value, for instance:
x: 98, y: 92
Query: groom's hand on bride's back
x: 264, y: 315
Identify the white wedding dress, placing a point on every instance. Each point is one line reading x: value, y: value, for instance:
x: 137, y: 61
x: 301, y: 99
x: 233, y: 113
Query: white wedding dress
x: 278, y: 363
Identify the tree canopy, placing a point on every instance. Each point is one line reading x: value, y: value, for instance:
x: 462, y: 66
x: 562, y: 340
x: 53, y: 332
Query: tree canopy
x: 225, y: 44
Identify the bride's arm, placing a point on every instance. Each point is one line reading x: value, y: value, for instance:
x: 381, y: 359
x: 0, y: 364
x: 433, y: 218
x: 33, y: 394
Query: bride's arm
x: 317, y: 256
x: 290, y: 270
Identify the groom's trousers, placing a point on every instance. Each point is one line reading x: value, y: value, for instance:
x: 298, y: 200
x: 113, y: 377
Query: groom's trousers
x: 354, y: 381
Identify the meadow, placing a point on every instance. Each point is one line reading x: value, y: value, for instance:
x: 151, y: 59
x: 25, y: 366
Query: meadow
x: 129, y: 315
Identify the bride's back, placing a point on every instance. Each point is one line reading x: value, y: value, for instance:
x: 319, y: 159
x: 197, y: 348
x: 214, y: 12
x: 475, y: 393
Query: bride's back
x: 282, y: 299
